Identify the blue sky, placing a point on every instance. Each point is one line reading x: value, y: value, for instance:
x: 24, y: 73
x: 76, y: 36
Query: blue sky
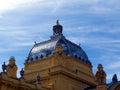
x: 95, y: 24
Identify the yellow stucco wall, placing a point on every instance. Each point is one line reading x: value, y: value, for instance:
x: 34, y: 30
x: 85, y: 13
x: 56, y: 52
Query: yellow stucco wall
x: 61, y: 71
x: 10, y: 83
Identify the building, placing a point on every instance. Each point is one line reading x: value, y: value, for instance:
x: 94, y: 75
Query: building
x: 56, y: 64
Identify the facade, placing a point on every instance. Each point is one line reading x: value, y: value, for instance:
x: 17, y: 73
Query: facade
x: 56, y: 64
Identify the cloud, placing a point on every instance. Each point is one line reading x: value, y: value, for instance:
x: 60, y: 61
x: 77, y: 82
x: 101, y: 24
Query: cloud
x: 6, y: 5
x: 56, y: 6
x: 1, y: 16
x: 114, y: 65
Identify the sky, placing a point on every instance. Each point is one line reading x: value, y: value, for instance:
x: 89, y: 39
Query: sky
x: 94, y: 24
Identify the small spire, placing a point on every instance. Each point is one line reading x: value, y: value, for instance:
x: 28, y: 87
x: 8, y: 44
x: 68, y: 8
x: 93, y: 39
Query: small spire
x: 4, y: 67
x: 57, y: 22
x: 35, y: 42
x: 114, y: 79
x: 22, y: 73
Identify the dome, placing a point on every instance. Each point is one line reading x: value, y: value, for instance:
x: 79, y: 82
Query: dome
x: 47, y: 48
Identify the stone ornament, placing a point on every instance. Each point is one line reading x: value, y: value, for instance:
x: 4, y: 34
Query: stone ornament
x: 12, y: 68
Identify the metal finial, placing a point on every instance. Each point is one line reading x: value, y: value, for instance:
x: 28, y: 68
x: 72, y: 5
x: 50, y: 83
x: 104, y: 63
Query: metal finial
x: 35, y: 42
x: 57, y: 22
x: 22, y: 73
x: 4, y: 67
x: 38, y: 77
x: 114, y: 79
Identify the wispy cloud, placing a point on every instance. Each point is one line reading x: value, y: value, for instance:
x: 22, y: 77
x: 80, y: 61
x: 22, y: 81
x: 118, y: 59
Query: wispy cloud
x: 6, y: 5
x: 114, y: 65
